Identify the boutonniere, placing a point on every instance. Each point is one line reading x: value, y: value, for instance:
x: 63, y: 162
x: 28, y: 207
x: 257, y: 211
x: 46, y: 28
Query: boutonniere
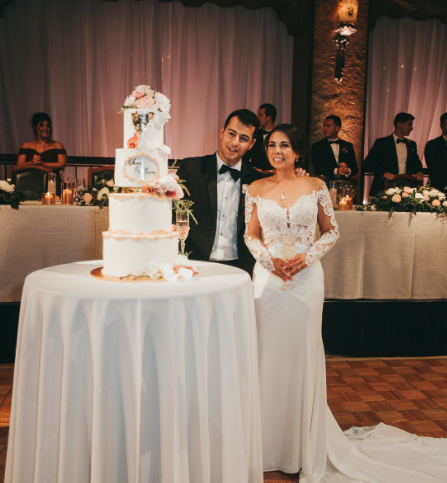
x: 344, y: 150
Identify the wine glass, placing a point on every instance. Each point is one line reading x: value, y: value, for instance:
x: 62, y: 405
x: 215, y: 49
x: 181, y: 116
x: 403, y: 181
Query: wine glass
x: 80, y: 188
x: 182, y: 224
x: 288, y: 251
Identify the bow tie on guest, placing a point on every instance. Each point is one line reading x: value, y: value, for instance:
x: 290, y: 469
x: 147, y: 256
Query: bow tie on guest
x: 400, y: 140
x: 235, y: 174
x: 337, y: 141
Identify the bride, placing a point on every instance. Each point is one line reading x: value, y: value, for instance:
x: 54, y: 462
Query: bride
x: 298, y: 430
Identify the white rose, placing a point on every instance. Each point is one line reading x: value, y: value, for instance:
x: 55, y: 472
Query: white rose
x: 392, y: 191
x: 5, y: 186
x: 426, y: 193
x: 163, y: 102
x: 433, y: 192
x: 143, y: 88
x: 110, y: 183
x: 441, y: 196
x: 130, y: 101
x: 419, y: 196
x: 101, y: 193
x: 167, y: 270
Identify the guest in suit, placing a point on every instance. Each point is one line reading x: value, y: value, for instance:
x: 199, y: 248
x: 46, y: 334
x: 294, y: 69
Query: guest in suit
x: 436, y: 158
x: 215, y: 185
x: 394, y: 154
x: 257, y: 156
x: 332, y: 156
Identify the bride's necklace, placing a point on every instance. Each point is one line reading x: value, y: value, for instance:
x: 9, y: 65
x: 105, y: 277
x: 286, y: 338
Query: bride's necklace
x: 283, y: 196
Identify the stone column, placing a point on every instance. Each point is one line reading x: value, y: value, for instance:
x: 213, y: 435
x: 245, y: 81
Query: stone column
x: 345, y: 99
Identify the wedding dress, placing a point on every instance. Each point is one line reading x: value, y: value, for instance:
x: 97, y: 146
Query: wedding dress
x: 298, y: 429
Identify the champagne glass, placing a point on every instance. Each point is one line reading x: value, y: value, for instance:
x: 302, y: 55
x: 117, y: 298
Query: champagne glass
x: 182, y: 224
x: 288, y: 251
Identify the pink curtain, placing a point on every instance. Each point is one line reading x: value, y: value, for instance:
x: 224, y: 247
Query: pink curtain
x: 77, y: 60
x: 407, y: 72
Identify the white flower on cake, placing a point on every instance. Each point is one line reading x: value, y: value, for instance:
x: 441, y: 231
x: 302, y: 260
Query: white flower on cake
x: 143, y: 97
x: 102, y: 192
x: 5, y: 186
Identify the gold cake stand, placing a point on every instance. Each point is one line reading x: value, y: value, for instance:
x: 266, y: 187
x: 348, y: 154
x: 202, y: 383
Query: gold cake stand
x: 97, y: 273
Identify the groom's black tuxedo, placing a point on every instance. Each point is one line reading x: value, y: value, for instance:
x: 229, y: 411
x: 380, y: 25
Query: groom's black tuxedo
x: 436, y: 159
x: 383, y: 159
x: 200, y: 176
x: 324, y: 162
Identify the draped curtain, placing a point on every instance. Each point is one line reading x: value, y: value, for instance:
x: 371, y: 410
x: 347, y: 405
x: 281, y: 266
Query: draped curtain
x: 407, y: 72
x: 77, y: 60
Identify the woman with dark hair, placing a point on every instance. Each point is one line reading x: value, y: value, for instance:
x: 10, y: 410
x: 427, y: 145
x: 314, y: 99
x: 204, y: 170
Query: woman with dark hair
x: 43, y: 150
x: 299, y: 432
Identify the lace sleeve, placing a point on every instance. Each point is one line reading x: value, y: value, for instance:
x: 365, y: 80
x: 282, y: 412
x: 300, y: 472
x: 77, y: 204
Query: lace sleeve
x: 252, y: 235
x: 328, y: 226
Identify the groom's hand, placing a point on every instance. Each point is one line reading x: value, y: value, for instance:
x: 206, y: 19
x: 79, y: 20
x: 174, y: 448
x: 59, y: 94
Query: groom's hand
x: 280, y: 271
x: 296, y: 264
x: 301, y: 172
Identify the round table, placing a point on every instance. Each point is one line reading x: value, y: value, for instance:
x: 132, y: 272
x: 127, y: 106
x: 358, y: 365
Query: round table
x: 135, y: 382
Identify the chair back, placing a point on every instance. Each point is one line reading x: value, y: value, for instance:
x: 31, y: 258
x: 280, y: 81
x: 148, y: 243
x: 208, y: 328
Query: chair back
x: 34, y: 181
x: 402, y: 180
x: 96, y: 175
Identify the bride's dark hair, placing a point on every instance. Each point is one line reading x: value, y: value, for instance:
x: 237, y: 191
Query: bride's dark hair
x: 295, y: 136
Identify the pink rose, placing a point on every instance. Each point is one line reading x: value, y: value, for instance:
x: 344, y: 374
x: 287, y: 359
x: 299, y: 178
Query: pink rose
x: 405, y: 194
x: 145, y: 102
x: 179, y: 193
x: 137, y: 94
x: 396, y: 198
x: 427, y: 198
x: 435, y: 203
x: 407, y: 190
x: 444, y: 204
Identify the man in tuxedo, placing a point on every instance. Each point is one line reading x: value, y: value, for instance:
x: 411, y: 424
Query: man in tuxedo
x: 436, y: 158
x: 332, y: 156
x: 215, y: 186
x: 257, y: 156
x: 394, y: 154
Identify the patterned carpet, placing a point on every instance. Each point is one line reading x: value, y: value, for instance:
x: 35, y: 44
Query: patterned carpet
x: 408, y: 393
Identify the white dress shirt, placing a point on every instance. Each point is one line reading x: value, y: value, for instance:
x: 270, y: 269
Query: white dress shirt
x: 445, y: 138
x: 401, y: 149
x: 228, y: 195
x: 336, y: 150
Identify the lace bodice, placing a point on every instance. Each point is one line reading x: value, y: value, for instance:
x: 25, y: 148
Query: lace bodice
x: 300, y: 220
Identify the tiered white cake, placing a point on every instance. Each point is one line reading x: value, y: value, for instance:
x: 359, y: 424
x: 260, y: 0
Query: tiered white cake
x: 140, y: 222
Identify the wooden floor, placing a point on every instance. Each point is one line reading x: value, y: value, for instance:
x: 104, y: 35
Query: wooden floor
x: 408, y: 393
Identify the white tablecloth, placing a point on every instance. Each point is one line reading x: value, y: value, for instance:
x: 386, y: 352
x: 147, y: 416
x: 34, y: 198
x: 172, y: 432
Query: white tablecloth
x: 380, y: 258
x: 145, y: 382
x: 35, y: 237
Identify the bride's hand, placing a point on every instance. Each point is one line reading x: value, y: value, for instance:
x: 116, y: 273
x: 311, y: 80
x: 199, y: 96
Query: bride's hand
x: 296, y: 264
x: 279, y: 271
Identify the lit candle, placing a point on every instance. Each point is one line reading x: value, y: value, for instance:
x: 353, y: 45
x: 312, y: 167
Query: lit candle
x: 349, y: 201
x: 67, y: 197
x: 46, y: 199
x: 343, y: 204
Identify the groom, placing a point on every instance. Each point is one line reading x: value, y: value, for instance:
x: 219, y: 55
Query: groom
x: 215, y: 185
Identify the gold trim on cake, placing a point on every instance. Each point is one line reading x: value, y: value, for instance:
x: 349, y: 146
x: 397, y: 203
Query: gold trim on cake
x: 139, y: 195
x: 126, y: 235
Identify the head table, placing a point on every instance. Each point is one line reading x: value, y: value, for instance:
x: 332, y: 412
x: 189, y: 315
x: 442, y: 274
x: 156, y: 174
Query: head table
x: 135, y: 382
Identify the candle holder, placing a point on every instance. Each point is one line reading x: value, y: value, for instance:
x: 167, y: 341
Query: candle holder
x: 49, y: 198
x: 67, y: 193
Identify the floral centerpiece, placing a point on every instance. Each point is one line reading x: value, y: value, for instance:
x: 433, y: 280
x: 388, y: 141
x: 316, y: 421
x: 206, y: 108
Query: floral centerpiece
x: 144, y: 97
x: 411, y: 200
x: 10, y: 194
x: 97, y: 195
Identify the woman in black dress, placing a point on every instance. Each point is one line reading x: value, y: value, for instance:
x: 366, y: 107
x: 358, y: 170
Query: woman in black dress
x: 43, y: 150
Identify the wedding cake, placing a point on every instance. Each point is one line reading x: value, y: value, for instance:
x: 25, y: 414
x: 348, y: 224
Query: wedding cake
x: 140, y: 218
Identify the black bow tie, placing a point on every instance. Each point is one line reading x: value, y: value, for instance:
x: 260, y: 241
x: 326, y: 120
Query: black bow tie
x: 235, y: 174
x: 334, y: 142
x: 400, y: 140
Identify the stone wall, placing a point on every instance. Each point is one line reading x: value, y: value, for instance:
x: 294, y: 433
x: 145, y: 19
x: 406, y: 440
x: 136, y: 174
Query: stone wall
x: 346, y: 98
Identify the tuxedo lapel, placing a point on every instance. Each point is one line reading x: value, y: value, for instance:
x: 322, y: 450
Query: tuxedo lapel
x: 330, y: 154
x: 393, y: 152
x: 245, y: 169
x: 210, y: 169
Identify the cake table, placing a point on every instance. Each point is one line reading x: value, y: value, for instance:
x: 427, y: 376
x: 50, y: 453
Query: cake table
x: 135, y: 382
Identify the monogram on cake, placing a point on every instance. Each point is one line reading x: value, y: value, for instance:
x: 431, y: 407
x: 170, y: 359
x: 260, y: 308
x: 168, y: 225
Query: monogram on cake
x: 140, y: 236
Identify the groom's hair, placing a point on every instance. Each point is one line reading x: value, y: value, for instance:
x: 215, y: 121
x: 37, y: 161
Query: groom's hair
x: 247, y: 118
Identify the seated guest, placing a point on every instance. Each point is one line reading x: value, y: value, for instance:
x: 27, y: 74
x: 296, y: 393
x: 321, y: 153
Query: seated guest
x: 436, y: 158
x: 332, y: 156
x: 394, y: 154
x: 43, y: 150
x: 257, y: 156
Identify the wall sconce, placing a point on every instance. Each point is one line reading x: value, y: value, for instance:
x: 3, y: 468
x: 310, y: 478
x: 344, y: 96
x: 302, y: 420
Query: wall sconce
x: 346, y: 19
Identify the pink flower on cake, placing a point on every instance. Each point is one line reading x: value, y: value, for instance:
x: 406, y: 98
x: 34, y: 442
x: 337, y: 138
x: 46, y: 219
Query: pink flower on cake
x: 145, y: 102
x: 407, y: 190
x: 137, y: 94
x: 435, y: 203
x: 132, y: 143
x: 396, y: 198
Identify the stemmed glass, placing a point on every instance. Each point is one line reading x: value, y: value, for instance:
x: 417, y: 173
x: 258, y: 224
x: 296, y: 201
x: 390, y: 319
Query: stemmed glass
x: 182, y: 224
x: 288, y: 251
x: 80, y: 188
